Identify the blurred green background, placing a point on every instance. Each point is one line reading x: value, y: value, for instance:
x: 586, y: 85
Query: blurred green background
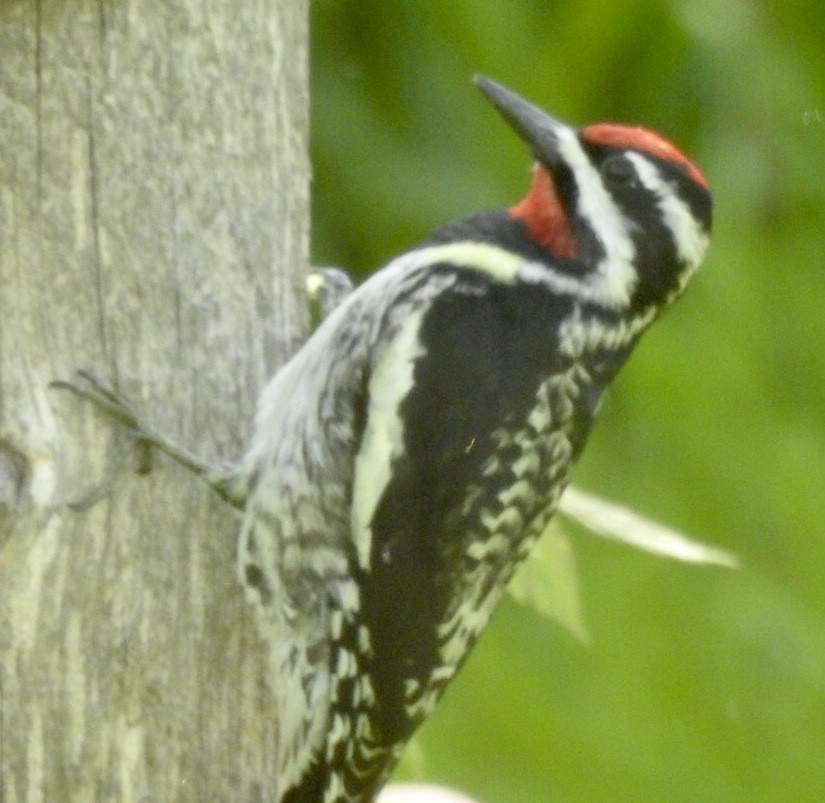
x: 698, y: 684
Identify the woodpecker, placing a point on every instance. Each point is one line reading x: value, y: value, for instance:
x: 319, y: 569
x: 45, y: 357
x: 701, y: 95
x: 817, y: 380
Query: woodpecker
x: 408, y: 456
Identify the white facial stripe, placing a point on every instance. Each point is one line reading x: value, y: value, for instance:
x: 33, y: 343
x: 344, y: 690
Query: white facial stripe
x: 508, y: 267
x: 616, y: 277
x: 690, y: 240
x: 594, y: 291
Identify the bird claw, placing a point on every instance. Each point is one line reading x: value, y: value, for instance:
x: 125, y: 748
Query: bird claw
x: 224, y: 480
x: 90, y: 389
x: 326, y: 288
x: 102, y: 397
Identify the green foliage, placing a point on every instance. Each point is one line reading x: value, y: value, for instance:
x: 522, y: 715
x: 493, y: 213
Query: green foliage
x: 698, y: 683
x: 549, y: 581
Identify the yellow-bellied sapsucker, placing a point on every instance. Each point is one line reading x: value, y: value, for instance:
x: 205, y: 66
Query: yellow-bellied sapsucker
x: 407, y: 457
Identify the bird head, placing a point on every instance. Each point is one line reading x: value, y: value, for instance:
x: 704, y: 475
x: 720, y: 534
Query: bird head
x: 624, y: 212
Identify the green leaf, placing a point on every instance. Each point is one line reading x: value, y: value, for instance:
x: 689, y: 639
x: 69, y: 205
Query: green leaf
x: 616, y: 522
x: 548, y: 581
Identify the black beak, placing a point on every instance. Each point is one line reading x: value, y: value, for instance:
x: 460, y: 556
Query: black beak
x: 537, y: 128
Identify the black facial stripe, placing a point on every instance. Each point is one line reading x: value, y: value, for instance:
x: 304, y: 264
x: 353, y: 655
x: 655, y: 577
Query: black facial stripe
x: 697, y: 198
x: 653, y: 240
x: 589, y: 248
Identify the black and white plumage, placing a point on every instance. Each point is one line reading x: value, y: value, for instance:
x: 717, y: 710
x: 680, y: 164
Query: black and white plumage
x: 408, y: 456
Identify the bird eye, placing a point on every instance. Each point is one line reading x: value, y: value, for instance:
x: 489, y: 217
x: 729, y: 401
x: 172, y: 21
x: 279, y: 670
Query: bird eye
x: 618, y: 171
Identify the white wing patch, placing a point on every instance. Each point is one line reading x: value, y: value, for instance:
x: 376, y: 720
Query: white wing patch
x: 383, y: 440
x: 392, y: 376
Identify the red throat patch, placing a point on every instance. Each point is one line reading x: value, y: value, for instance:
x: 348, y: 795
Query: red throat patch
x: 543, y: 215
